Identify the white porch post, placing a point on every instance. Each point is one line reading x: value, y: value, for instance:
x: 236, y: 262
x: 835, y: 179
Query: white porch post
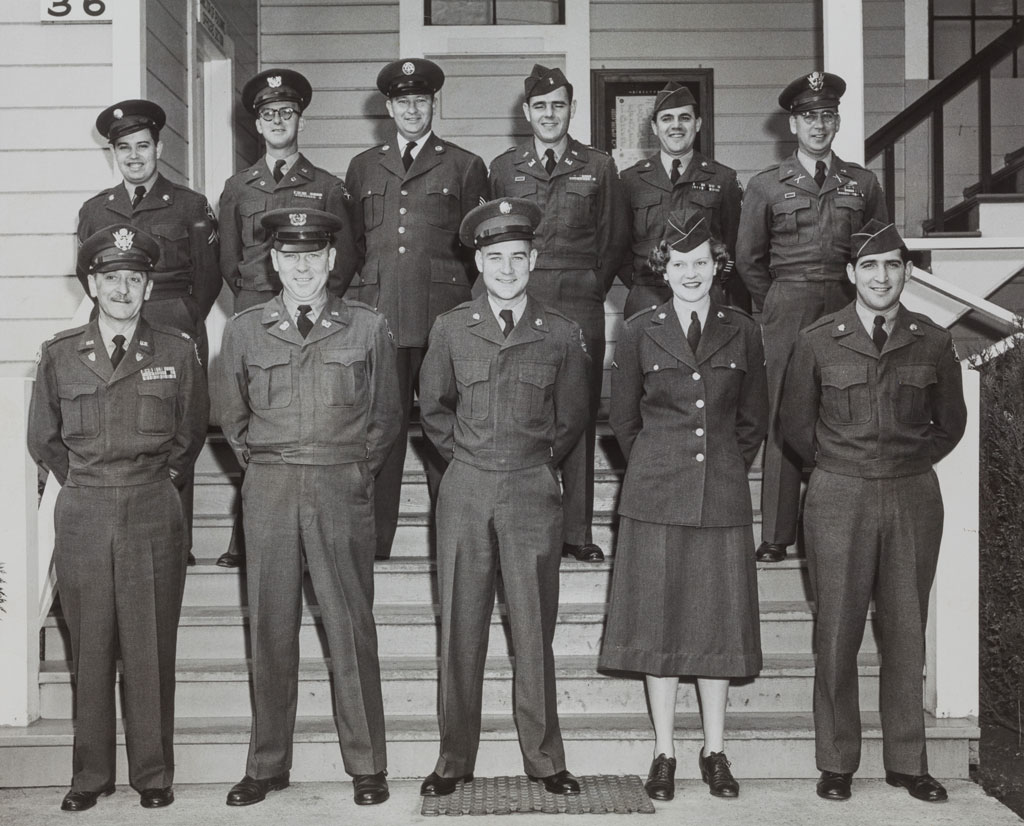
x: 843, y: 34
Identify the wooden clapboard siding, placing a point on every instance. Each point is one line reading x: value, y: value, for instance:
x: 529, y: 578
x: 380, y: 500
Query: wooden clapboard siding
x: 884, y: 89
x: 167, y: 81
x: 242, y: 19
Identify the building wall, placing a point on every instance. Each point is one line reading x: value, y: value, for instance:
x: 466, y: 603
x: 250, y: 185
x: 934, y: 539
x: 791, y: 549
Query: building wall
x: 167, y: 67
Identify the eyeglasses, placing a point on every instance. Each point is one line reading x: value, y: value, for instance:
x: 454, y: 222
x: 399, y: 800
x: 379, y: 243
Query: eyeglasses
x: 285, y: 113
x: 826, y: 118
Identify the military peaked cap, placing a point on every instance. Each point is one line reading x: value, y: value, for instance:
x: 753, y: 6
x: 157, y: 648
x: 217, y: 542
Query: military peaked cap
x: 818, y: 90
x: 308, y: 229
x: 506, y: 219
x: 411, y: 76
x: 118, y: 247
x: 129, y: 116
x: 274, y: 85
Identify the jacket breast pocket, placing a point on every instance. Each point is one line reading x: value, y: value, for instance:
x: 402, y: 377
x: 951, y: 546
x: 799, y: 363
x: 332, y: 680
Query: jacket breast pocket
x: 472, y: 376
x: 157, y: 401
x: 270, y: 379
x: 444, y: 206
x: 250, y: 212
x: 845, y: 395
x: 708, y: 201
x: 913, y: 396
x: 174, y: 246
x: 580, y: 203
x: 520, y: 189
x: 791, y: 220
x: 534, y: 392
x: 342, y: 377
x: 79, y: 411
x: 728, y: 371
x: 372, y: 198
x: 849, y: 214
x: 646, y: 206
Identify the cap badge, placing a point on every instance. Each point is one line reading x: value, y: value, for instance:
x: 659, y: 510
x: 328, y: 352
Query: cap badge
x: 298, y: 219
x: 816, y: 80
x: 118, y: 114
x: 505, y: 208
x: 123, y: 239
x: 274, y: 81
x: 408, y: 68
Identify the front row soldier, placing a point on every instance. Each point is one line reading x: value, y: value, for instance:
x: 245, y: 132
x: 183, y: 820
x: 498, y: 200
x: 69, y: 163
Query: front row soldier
x: 309, y: 401
x: 118, y: 415
x: 873, y: 398
x: 503, y: 398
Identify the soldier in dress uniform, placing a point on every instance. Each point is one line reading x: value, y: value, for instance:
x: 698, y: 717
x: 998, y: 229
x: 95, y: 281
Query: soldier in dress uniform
x: 873, y: 398
x: 579, y: 244
x: 678, y: 177
x: 283, y: 177
x: 186, y: 278
x: 409, y: 195
x: 118, y: 415
x: 792, y: 250
x: 309, y: 402
x: 503, y: 399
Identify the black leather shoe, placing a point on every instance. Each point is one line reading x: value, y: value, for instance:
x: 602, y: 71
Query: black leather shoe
x: 561, y: 783
x: 714, y: 770
x: 437, y: 786
x: 922, y: 786
x: 770, y: 552
x: 834, y: 785
x: 249, y: 790
x: 588, y: 552
x: 230, y: 560
x: 661, y: 780
x: 369, y: 789
x: 80, y: 801
x: 156, y: 798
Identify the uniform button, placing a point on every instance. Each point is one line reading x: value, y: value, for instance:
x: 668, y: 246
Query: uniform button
x: 696, y: 376
x: 699, y: 431
x: 401, y: 230
x: 700, y: 403
x: 699, y: 457
x: 401, y: 250
x: 405, y: 191
x: 655, y: 367
x: 402, y: 211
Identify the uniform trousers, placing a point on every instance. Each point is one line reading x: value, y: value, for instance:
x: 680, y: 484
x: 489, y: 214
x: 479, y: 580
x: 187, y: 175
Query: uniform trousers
x: 488, y: 520
x: 120, y: 560
x: 871, y: 537
x: 788, y: 308
x: 325, y: 513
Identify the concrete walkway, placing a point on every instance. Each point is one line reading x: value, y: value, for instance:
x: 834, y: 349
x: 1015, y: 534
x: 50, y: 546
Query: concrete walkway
x: 762, y: 802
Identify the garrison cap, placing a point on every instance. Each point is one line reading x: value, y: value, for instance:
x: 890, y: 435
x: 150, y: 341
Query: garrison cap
x: 673, y: 96
x: 543, y: 80
x: 118, y: 247
x: 274, y: 85
x: 875, y: 238
x: 686, y: 230
x: 818, y: 90
x: 307, y: 229
x: 411, y: 76
x: 506, y: 219
x: 129, y: 116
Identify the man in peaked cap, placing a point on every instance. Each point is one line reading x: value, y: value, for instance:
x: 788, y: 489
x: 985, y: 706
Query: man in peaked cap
x: 678, y: 177
x: 791, y: 252
x: 410, y: 194
x: 282, y: 178
x: 186, y: 278
x: 873, y: 398
x: 118, y: 415
x: 502, y: 398
x: 579, y: 244
x: 309, y: 403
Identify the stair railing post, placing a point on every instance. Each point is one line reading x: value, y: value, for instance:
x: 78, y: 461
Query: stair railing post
x: 889, y: 179
x: 938, y: 171
x: 985, y: 130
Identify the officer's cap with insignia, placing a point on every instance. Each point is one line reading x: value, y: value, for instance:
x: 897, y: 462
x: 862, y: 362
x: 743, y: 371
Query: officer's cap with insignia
x: 506, y: 219
x: 129, y: 116
x: 673, y: 96
x: 303, y: 230
x: 118, y: 247
x: 543, y: 80
x: 410, y: 76
x: 274, y: 85
x: 686, y: 230
x: 818, y: 90
x: 875, y: 238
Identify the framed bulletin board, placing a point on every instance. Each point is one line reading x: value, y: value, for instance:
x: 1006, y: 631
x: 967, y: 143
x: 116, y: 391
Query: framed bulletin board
x: 623, y: 102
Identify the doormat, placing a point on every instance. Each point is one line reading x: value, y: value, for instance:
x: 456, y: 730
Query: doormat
x: 602, y: 794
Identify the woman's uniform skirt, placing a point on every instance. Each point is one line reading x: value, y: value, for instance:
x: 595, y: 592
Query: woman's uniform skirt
x: 683, y: 602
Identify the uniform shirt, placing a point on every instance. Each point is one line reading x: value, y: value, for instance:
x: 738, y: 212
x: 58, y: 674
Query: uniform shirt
x: 289, y: 162
x: 107, y: 334
x: 92, y: 425
x: 404, y: 142
x: 858, y: 412
x: 689, y: 425
x: 412, y: 266
x: 789, y: 230
x: 704, y: 185
x: 504, y: 403
x: 327, y: 399
x: 517, y: 310
x: 867, y: 317
x: 684, y: 310
x: 245, y: 244
x: 183, y: 225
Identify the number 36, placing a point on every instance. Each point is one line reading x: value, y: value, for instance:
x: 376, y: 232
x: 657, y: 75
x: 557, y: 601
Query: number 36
x: 62, y: 8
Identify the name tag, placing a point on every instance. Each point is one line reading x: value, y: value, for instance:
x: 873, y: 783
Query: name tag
x: 157, y: 373
x: 519, y: 179
x: 299, y: 193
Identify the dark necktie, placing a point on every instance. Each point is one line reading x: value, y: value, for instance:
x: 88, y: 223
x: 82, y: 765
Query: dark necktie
x: 819, y: 174
x: 118, y: 352
x: 278, y: 170
x: 140, y: 193
x: 549, y: 161
x: 693, y: 332
x: 507, y: 322
x: 407, y: 158
x: 674, y: 176
x: 302, y: 321
x: 879, y: 336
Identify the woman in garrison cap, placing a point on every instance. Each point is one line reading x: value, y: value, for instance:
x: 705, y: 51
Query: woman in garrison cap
x: 689, y: 408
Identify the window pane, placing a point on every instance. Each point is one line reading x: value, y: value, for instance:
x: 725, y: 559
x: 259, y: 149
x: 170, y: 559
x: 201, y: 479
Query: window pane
x: 951, y: 46
x: 943, y: 7
x: 491, y: 12
x: 1002, y: 8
